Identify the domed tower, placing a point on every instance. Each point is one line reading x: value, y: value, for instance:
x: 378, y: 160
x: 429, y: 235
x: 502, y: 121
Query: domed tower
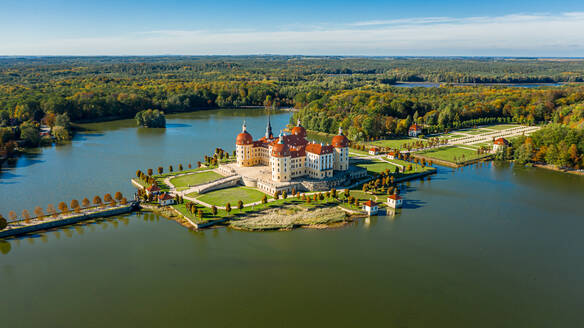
x: 243, y: 147
x: 280, y: 159
x: 341, y: 145
x: 299, y: 130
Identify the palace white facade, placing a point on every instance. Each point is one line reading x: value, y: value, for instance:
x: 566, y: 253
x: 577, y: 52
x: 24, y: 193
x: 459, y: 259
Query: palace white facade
x: 291, y: 155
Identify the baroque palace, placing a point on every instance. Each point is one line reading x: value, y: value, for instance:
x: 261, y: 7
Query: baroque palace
x: 291, y: 155
x: 290, y: 162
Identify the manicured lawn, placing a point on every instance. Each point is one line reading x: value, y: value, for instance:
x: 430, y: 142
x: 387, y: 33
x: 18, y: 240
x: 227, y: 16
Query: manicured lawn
x: 232, y: 195
x: 451, y: 135
x: 377, y: 166
x: 500, y: 127
x: 416, y: 168
x: 360, y: 152
x: 394, y: 143
x: 195, y: 179
x: 451, y: 154
x: 475, y: 132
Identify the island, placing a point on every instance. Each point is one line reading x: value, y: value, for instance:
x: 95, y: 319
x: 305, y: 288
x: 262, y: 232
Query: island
x: 278, y: 182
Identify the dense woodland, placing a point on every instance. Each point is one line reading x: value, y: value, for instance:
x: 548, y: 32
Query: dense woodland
x: 355, y: 93
x: 554, y: 145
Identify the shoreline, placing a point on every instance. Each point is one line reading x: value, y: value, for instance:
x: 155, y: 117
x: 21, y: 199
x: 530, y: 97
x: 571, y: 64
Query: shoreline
x: 558, y: 169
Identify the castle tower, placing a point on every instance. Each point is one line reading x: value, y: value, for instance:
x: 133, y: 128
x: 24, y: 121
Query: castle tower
x: 243, y: 147
x: 341, y: 158
x: 280, y: 161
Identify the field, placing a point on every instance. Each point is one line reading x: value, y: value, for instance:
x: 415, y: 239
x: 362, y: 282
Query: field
x: 500, y: 127
x: 195, y: 179
x: 232, y: 195
x: 393, y: 143
x: 375, y: 166
x: 451, y: 154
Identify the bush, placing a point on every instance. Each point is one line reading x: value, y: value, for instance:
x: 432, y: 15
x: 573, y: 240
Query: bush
x: 3, y: 223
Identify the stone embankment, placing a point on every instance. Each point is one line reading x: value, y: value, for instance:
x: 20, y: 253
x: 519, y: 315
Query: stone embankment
x: 21, y: 227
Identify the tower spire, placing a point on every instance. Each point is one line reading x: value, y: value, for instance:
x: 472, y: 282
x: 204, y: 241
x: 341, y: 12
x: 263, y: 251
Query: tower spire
x: 269, y: 134
x: 243, y: 127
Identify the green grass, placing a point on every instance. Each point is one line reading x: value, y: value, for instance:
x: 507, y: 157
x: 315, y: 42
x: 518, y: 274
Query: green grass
x: 451, y: 135
x: 208, y: 215
x: 475, y: 132
x: 501, y: 127
x: 232, y: 195
x: 416, y: 168
x: 195, y: 179
x: 361, y: 152
x: 449, y: 154
x: 377, y: 166
x: 394, y: 143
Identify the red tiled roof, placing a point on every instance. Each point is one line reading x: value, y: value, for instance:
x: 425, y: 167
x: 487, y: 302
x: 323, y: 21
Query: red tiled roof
x: 415, y: 127
x: 394, y: 197
x: 165, y: 197
x: 319, y: 149
x: 501, y: 141
x: 153, y: 188
x: 300, y: 152
x: 370, y: 203
x: 244, y: 138
x: 280, y: 150
x: 299, y: 131
x: 340, y: 141
x: 374, y: 148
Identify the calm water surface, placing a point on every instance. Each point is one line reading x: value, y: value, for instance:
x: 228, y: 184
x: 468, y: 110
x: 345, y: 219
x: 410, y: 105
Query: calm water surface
x: 485, y: 246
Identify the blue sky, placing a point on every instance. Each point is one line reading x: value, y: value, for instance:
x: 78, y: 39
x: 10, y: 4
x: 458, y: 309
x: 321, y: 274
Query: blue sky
x: 500, y: 28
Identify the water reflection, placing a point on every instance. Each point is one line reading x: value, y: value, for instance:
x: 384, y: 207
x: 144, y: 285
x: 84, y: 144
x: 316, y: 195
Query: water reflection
x: 5, y: 247
x: 69, y: 231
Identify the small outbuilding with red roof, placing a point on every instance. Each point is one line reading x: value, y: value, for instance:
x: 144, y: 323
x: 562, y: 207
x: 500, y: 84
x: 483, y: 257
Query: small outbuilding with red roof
x: 370, y: 207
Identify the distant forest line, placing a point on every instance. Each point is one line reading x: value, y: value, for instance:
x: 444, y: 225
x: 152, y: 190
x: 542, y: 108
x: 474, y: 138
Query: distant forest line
x: 355, y: 93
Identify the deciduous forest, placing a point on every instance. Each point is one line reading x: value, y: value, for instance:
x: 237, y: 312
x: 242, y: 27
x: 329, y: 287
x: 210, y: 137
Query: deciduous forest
x: 358, y: 94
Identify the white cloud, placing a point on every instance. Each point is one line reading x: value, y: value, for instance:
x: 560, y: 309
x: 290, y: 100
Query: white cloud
x: 511, y: 35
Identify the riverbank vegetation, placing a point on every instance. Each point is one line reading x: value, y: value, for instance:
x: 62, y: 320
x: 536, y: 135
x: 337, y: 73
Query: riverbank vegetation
x: 151, y: 118
x: 555, y: 145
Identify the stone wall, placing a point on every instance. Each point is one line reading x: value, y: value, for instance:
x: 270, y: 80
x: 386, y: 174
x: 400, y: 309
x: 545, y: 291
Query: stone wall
x: 58, y: 223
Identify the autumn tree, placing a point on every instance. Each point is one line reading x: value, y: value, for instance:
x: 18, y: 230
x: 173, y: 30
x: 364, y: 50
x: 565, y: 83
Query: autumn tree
x: 228, y: 208
x: 240, y: 205
x: 97, y: 201
x: 150, y: 172
x: 85, y: 202
x: 26, y: 216
x: 107, y: 198
x: 38, y: 212
x: 51, y: 210
x: 214, y: 210
x: 63, y: 207
x: 75, y: 205
x: 12, y: 215
x: 160, y: 170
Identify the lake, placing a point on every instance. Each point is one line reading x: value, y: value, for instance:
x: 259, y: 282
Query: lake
x: 483, y: 246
